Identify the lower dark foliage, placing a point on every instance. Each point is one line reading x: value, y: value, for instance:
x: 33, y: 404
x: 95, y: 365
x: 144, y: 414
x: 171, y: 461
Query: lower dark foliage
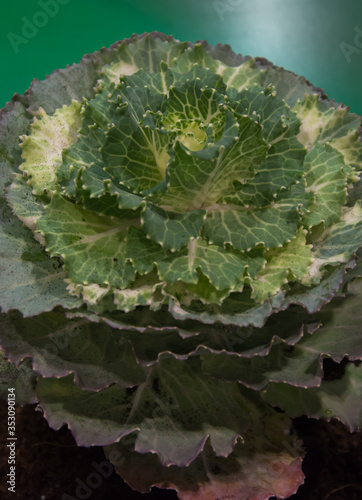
x: 49, y: 466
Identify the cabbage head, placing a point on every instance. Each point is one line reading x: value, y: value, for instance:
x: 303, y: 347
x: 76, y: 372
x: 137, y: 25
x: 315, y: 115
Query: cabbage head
x: 179, y: 254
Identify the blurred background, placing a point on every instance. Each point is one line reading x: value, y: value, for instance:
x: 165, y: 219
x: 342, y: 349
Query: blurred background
x: 319, y: 39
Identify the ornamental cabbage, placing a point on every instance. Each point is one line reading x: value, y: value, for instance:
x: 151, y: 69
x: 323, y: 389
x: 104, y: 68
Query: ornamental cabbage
x: 180, y: 233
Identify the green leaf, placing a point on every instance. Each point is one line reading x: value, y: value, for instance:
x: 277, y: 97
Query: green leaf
x: 23, y: 203
x: 125, y: 199
x: 339, y: 336
x: 192, y: 338
x: 95, y: 112
x: 288, y: 86
x: 243, y: 76
x: 313, y: 297
x: 353, y: 269
x: 323, y: 121
x: 246, y: 228
x: 340, y: 333
x: 326, y: 179
x: 351, y: 147
x: 198, y: 179
x: 170, y: 229
x: 92, y: 246
x: 42, y: 148
x: 137, y: 158
x: 235, y: 71
x: 354, y: 194
x: 143, y: 252
x: 196, y: 95
x: 14, y: 121
x: 225, y: 268
x: 141, y: 93
x: 173, y: 432
x: 30, y: 281
x: 284, y: 264
x: 80, y: 157
x: 91, y: 294
x: 268, y: 448
x: 142, y: 292
x: 146, y: 51
x: 59, y: 346
x: 238, y: 309
x: 265, y: 108
x: 201, y: 291
x: 197, y: 55
x: 96, y: 183
x: 136, y: 151
x: 21, y: 378
x: 282, y: 168
x: 108, y: 205
x: 282, y: 364
x: 339, y: 399
x: 98, y: 116
x: 84, y: 154
x: 338, y: 243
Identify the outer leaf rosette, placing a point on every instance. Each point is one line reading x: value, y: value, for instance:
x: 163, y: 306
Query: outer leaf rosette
x: 177, y: 222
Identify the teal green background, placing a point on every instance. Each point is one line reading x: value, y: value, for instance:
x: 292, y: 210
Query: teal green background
x: 304, y: 36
